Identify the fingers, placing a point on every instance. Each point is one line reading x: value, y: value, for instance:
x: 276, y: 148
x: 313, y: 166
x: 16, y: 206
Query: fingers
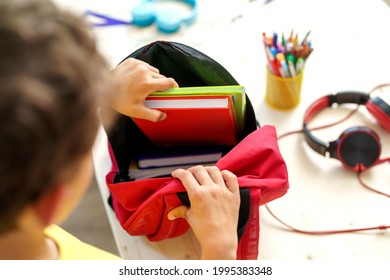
x: 215, y: 202
x: 207, y: 174
x: 146, y: 73
x: 136, y: 80
x: 201, y: 175
x: 198, y: 176
x: 150, y: 67
x: 187, y: 179
x: 215, y: 174
x: 230, y: 181
x: 146, y: 113
x: 132, y: 63
x: 160, y: 83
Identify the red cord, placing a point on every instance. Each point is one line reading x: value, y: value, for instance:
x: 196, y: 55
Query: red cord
x: 367, y: 186
x: 326, y: 232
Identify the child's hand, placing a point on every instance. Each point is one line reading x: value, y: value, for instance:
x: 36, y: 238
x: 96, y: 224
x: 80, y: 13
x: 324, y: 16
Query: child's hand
x: 136, y: 81
x: 213, y: 215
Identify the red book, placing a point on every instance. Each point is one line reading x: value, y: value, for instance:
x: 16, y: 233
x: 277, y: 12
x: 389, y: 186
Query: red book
x: 191, y: 120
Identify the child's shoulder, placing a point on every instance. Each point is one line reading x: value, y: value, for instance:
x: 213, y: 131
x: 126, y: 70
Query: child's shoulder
x: 71, y: 248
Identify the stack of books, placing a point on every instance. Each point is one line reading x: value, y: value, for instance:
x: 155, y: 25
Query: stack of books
x: 161, y: 162
x: 209, y: 116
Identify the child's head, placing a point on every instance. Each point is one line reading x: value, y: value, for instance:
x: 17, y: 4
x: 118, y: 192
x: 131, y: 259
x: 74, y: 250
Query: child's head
x: 50, y: 76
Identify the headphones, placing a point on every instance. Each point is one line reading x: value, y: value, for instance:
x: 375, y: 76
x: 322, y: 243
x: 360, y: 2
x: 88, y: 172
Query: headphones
x: 167, y: 20
x: 358, y: 148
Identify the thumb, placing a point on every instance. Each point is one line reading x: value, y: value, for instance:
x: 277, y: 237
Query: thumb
x: 150, y: 114
x: 178, y: 212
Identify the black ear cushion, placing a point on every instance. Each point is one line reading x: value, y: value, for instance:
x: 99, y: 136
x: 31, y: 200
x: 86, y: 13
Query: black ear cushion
x: 358, y: 148
x: 380, y: 110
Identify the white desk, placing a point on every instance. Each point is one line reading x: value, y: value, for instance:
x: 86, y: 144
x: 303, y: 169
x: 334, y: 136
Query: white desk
x: 350, y: 40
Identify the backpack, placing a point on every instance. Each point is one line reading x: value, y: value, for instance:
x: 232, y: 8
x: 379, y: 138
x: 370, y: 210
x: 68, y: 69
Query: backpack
x: 141, y: 206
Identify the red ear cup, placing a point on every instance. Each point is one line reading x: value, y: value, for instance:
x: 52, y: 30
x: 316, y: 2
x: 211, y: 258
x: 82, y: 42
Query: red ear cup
x: 380, y: 110
x: 358, y: 148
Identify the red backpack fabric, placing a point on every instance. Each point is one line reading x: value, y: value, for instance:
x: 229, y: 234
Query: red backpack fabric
x: 142, y: 206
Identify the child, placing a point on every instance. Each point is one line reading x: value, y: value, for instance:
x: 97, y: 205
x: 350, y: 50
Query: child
x: 52, y: 79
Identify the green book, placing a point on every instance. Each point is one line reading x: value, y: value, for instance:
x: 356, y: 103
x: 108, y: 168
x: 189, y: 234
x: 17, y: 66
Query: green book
x: 236, y: 91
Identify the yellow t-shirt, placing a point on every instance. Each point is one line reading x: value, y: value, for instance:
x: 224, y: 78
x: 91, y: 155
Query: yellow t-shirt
x: 71, y: 248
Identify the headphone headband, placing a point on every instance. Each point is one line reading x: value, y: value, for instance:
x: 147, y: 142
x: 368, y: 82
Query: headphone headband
x: 345, y: 97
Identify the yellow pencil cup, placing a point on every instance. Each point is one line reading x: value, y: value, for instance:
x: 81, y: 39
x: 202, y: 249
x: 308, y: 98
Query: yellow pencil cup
x: 283, y: 93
